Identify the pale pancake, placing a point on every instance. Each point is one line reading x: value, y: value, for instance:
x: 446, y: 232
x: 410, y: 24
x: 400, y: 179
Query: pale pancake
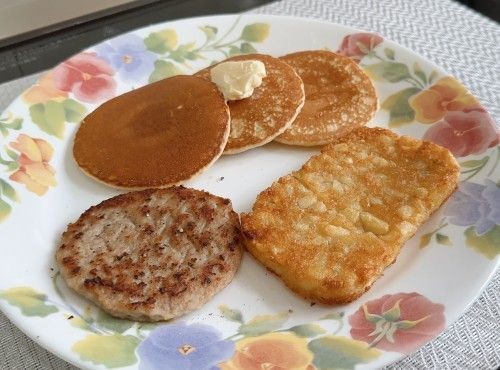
x: 331, y: 228
x: 155, y: 136
x: 271, y: 109
x: 339, y: 98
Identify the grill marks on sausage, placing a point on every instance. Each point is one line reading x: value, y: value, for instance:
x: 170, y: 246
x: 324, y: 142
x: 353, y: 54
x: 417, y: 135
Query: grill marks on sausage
x: 141, y: 251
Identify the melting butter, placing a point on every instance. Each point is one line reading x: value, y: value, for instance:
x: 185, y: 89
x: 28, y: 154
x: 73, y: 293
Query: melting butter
x: 238, y: 79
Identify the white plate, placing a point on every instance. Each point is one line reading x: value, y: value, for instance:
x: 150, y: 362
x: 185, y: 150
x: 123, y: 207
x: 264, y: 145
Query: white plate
x: 256, y: 321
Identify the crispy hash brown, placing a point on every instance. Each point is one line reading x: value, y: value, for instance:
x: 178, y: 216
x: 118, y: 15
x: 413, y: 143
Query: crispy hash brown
x: 330, y: 229
x: 154, y: 254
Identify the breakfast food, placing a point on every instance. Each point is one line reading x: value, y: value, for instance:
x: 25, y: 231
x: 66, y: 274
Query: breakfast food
x: 339, y: 98
x: 155, y: 136
x: 154, y: 254
x: 237, y: 80
x: 269, y: 111
x: 331, y: 228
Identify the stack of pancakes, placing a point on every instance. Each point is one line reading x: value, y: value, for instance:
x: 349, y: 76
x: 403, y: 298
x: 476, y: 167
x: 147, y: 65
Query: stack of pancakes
x: 166, y: 133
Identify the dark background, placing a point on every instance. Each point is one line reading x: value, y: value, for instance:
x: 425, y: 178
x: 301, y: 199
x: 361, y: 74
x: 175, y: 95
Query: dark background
x: 490, y: 8
x: 46, y: 49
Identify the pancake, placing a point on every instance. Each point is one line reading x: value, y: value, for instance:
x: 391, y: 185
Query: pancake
x: 154, y: 254
x: 158, y: 135
x: 331, y: 228
x: 339, y: 98
x: 270, y: 110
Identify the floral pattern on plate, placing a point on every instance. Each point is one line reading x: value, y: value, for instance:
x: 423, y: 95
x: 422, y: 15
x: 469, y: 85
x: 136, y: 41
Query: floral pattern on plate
x: 457, y: 121
x: 441, y: 107
x: 64, y: 94
x: 398, y: 322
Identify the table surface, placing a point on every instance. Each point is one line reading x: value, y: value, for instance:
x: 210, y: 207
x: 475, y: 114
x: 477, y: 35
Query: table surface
x: 461, y: 41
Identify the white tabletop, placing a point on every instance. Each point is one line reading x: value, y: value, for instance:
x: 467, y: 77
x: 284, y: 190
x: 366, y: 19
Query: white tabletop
x: 461, y: 41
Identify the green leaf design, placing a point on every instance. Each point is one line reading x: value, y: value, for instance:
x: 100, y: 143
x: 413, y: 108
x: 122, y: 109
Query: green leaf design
x: 231, y: 314
x: 12, y: 166
x: 443, y: 239
x: 474, y: 163
x: 370, y: 316
x: 37, y: 115
x: 184, y: 52
x: 78, y: 322
x: 419, y: 73
x: 263, y: 324
x: 10, y: 124
x: 164, y: 69
x: 49, y: 117
x: 12, y: 154
x: 73, y: 110
x: 233, y: 51
x: 333, y: 353
x: 400, y: 111
x: 31, y: 302
x: 162, y: 41
x: 112, y: 323
x: 432, y: 76
x: 256, y: 32
x: 16, y: 123
x: 425, y: 240
x: 408, y: 324
x: 55, y: 117
x: 487, y: 244
x: 389, y: 53
x: 112, y: 351
x: 209, y: 31
x: 307, y: 330
x: 8, y: 191
x: 333, y: 316
x: 5, y: 210
x: 389, y: 71
x: 393, y: 313
x: 247, y: 48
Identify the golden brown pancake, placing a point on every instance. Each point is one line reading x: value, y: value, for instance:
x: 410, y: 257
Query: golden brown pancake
x: 156, y: 136
x: 339, y: 98
x: 270, y: 110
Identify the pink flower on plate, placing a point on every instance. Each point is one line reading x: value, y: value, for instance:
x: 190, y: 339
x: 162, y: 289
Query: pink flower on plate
x: 357, y: 45
x: 465, y: 132
x: 398, y: 322
x: 86, y: 76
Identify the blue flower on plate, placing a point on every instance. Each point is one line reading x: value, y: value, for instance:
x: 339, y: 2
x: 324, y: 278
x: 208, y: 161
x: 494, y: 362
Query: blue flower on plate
x: 128, y: 56
x: 187, y: 347
x: 475, y: 205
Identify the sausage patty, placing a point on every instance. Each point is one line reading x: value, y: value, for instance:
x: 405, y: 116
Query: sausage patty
x: 154, y: 254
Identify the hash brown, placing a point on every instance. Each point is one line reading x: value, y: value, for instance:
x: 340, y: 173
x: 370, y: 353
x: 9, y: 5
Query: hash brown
x: 331, y: 228
x: 154, y: 254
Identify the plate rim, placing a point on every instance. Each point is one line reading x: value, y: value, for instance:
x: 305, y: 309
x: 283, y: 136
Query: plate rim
x: 19, y: 319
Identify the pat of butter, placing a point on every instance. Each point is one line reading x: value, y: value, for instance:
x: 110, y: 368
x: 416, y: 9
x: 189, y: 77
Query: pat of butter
x: 237, y: 80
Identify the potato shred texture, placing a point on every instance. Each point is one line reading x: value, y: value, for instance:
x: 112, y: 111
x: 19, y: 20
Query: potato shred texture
x: 330, y: 229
